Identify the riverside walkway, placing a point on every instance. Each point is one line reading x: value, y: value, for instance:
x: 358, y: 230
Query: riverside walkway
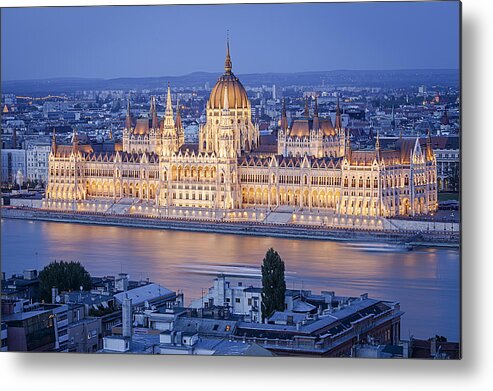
x: 299, y: 231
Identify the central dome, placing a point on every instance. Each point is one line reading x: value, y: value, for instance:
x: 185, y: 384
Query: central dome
x: 237, y: 96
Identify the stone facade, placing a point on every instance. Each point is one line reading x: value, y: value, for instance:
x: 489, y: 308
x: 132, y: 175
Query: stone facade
x: 314, y: 167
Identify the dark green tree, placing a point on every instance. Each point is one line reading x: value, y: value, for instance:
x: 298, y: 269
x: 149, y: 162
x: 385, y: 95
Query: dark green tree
x: 453, y: 178
x: 66, y: 276
x: 273, y: 284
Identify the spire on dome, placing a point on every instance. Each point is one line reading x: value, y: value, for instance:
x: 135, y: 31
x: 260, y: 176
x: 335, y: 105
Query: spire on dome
x: 228, y: 65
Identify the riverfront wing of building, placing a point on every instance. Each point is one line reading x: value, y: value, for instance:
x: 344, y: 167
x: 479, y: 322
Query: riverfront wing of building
x: 312, y: 167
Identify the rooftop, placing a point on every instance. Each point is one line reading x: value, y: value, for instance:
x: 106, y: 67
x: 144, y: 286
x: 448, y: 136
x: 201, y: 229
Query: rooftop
x: 143, y: 293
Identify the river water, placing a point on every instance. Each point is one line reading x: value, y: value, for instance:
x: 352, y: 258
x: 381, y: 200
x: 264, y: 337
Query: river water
x: 425, y: 281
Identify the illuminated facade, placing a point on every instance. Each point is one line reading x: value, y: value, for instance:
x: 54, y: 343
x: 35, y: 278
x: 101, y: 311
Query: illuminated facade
x: 314, y: 168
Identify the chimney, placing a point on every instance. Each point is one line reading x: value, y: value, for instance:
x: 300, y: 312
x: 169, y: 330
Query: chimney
x: 364, y: 296
x: 54, y: 294
x: 405, y: 349
x: 127, y: 317
x: 30, y: 274
x: 178, y: 338
x: 328, y: 295
x: 121, y: 283
x: 433, y: 347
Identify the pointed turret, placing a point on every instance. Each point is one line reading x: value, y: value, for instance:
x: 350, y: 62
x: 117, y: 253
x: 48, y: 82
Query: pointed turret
x: 169, y: 107
x: 228, y: 65
x: 377, y: 146
x: 128, y: 120
x: 155, y: 119
x: 75, y: 141
x: 338, y: 124
x: 429, y: 149
x: 179, y: 125
x: 53, y: 142
x: 169, y: 122
x: 316, y: 121
x: 284, y: 118
x: 307, y: 109
x: 347, y: 144
x: 171, y: 136
x: 178, y: 122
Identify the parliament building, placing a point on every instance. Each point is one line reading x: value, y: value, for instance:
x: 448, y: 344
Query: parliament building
x: 313, y: 173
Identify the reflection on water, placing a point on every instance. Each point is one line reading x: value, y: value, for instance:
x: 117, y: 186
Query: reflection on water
x: 425, y: 281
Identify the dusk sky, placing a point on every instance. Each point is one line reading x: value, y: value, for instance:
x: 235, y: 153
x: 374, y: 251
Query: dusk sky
x: 110, y: 42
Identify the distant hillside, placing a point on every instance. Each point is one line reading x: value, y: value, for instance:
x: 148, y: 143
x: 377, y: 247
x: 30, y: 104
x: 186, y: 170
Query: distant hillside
x: 396, y: 78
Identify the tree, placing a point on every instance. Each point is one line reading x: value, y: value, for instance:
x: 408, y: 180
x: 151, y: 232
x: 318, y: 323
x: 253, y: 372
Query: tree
x: 273, y: 284
x: 453, y: 178
x: 66, y: 276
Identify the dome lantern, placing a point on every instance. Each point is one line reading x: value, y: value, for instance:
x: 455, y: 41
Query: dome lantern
x: 237, y: 96
x: 228, y: 65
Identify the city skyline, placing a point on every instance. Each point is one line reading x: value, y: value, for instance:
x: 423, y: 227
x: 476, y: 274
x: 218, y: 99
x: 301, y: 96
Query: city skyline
x: 382, y: 36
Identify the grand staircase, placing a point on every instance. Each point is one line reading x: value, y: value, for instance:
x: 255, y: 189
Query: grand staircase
x: 121, y: 207
x: 280, y: 215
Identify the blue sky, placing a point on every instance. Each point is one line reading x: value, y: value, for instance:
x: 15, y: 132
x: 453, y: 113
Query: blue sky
x: 109, y: 42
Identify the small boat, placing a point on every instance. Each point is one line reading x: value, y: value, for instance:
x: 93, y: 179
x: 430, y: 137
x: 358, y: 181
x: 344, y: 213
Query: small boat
x: 239, y: 270
x: 382, y: 247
